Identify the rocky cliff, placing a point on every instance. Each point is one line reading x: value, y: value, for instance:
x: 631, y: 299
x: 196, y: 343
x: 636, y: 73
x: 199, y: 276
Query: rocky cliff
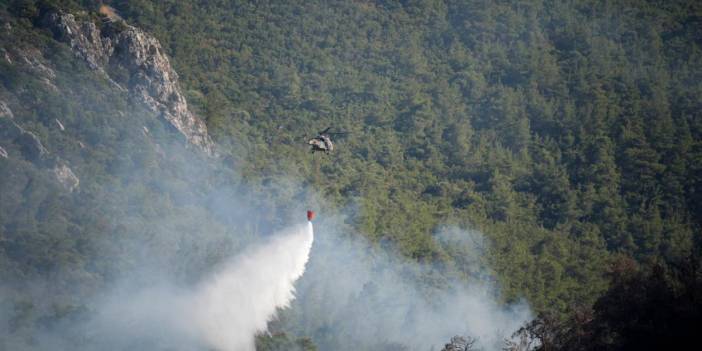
x: 130, y: 59
x: 134, y: 60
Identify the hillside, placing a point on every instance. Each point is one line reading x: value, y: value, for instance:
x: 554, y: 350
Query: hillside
x: 568, y: 135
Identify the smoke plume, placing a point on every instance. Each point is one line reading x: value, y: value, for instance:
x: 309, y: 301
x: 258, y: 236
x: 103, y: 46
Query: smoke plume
x: 355, y: 296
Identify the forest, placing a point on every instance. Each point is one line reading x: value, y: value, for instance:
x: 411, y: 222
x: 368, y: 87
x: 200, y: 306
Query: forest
x: 568, y: 133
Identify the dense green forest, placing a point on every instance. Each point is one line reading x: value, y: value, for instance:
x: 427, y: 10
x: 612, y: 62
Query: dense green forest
x: 568, y: 133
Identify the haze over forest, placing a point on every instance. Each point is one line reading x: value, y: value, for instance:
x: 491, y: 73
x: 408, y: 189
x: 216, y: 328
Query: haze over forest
x: 504, y: 165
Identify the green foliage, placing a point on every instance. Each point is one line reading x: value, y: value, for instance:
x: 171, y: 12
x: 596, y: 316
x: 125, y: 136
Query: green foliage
x: 568, y: 133
x: 559, y: 119
x: 651, y: 307
x: 282, y: 342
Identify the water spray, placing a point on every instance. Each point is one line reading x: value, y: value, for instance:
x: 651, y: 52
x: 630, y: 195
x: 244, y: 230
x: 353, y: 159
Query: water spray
x: 239, y: 301
x: 224, y: 312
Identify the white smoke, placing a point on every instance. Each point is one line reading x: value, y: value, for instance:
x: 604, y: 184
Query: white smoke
x: 224, y: 312
x: 357, y: 297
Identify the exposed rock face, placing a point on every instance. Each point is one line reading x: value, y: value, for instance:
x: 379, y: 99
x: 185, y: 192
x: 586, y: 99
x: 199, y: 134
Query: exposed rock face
x: 85, y: 38
x: 6, y: 55
x: 66, y: 177
x: 155, y: 83
x: 30, y: 56
x: 151, y: 79
x: 5, y: 111
x: 33, y: 150
x: 31, y: 146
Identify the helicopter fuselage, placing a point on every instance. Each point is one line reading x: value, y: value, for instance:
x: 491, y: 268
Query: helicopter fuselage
x: 319, y: 145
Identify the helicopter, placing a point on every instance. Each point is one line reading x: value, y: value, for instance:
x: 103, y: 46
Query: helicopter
x: 323, y: 142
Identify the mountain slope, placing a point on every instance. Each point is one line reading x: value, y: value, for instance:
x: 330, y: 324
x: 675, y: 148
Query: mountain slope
x: 569, y: 134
